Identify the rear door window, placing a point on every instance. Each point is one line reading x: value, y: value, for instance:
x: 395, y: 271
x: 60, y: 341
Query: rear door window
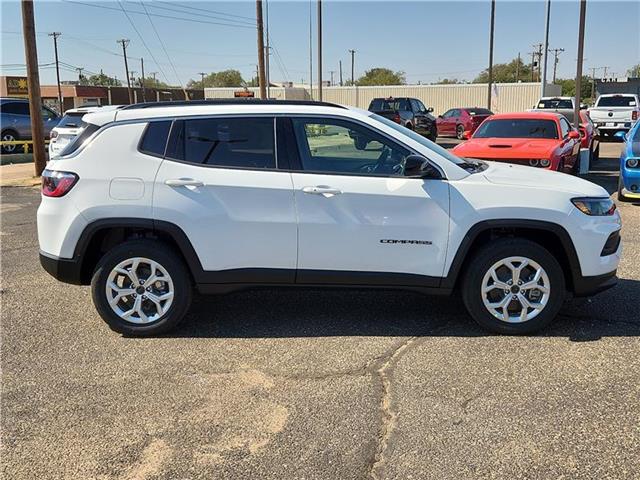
x: 71, y: 120
x: 225, y: 142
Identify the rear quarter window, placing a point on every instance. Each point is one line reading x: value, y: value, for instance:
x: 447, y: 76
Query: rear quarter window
x: 154, y: 140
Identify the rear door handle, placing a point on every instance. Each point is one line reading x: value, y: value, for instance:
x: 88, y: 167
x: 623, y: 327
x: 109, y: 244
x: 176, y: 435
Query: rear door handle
x: 322, y: 190
x: 183, y: 182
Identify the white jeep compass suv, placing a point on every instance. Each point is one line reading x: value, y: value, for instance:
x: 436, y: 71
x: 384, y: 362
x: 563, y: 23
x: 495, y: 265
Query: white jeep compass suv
x: 153, y: 200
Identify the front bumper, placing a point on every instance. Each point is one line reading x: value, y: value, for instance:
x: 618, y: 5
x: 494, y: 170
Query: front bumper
x: 67, y: 270
x: 588, y: 286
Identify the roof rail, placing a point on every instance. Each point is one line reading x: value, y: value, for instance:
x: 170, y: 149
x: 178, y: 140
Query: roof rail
x: 229, y: 101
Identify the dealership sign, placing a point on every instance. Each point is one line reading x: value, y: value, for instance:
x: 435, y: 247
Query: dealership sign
x: 17, y: 86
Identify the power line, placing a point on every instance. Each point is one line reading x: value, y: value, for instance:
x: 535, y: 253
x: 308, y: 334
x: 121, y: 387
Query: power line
x: 207, y: 10
x: 163, y: 46
x: 171, y: 17
x: 239, y: 22
x: 142, y: 40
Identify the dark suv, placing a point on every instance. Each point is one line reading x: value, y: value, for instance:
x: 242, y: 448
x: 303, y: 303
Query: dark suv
x: 409, y: 112
x: 15, y: 121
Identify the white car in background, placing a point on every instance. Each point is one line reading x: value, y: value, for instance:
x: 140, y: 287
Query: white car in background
x: 70, y: 127
x: 615, y: 112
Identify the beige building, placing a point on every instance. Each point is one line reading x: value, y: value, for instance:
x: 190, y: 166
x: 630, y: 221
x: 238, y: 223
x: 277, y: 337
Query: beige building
x: 508, y: 97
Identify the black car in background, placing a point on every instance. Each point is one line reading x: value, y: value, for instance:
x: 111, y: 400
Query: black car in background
x: 409, y: 112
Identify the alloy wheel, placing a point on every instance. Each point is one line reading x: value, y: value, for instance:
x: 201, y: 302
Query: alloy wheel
x: 515, y: 289
x: 7, y: 137
x: 139, y: 290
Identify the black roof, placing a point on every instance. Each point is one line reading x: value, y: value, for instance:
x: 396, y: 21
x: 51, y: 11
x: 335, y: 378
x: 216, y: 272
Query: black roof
x: 229, y: 101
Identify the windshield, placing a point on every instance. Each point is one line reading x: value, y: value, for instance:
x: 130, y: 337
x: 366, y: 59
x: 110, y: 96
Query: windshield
x: 617, y: 101
x: 420, y: 139
x: 71, y: 120
x: 383, y: 104
x: 554, y: 103
x: 517, y: 128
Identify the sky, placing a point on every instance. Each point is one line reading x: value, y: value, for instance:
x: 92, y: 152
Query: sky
x: 428, y: 40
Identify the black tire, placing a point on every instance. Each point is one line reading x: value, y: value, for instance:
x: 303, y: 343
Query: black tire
x: 9, y: 135
x: 153, y: 250
x: 409, y: 126
x: 481, y: 263
x: 595, y: 156
x: 459, y: 132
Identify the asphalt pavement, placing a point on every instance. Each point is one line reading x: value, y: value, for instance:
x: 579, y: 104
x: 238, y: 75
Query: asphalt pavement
x: 315, y: 384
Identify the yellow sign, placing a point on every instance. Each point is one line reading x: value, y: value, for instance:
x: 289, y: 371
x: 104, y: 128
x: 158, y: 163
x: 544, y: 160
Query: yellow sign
x: 17, y: 86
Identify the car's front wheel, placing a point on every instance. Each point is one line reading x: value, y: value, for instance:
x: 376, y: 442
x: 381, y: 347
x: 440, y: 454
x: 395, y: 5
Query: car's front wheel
x: 9, y: 136
x: 513, y: 286
x: 460, y: 132
x: 141, y: 288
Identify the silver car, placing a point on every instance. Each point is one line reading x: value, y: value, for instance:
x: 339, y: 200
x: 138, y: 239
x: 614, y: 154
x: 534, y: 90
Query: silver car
x: 15, y: 122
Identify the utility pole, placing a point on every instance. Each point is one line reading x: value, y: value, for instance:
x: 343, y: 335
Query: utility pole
x: 331, y: 81
x: 261, y: 72
x: 35, y: 102
x: 153, y: 74
x: 79, y: 70
x: 604, y: 75
x: 353, y: 81
x: 543, y: 83
x: 537, y: 53
x: 576, y: 111
x: 311, y: 49
x: 518, y: 68
x: 340, y: 72
x: 55, y: 36
x: 320, y: 50
x: 556, y: 53
x: 202, y: 74
x: 491, y: 28
x: 125, y: 43
x: 533, y: 62
x: 144, y: 97
x: 267, y: 51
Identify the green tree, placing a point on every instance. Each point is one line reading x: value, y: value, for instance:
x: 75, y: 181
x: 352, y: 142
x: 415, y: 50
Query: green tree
x: 569, y: 87
x: 513, y: 71
x: 226, y: 78
x: 447, y: 81
x: 634, y: 71
x: 381, y: 76
x: 100, y: 80
x: 150, y: 82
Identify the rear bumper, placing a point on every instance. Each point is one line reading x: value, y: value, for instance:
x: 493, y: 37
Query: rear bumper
x: 587, y: 286
x: 67, y: 270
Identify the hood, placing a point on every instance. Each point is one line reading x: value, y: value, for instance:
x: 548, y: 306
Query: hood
x: 509, y: 174
x: 507, y: 148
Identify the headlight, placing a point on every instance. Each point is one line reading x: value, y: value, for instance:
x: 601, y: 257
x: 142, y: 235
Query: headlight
x: 632, y: 163
x: 595, y: 206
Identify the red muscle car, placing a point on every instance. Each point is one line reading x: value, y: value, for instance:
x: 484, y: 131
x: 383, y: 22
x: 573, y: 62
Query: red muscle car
x: 543, y: 140
x: 458, y: 121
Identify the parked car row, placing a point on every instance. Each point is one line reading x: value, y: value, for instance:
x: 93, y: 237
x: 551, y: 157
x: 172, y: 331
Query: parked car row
x: 15, y: 121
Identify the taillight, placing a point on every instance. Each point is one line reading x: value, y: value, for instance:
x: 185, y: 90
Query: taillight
x: 634, y: 115
x: 396, y: 118
x: 57, y: 184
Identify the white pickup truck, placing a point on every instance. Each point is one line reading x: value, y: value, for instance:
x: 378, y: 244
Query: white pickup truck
x: 615, y: 112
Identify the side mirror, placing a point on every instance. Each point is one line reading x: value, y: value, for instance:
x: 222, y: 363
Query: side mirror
x: 430, y: 110
x: 417, y: 166
x: 440, y: 116
x: 574, y: 134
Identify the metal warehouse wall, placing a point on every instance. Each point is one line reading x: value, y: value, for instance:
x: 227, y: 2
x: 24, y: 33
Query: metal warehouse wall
x: 512, y: 97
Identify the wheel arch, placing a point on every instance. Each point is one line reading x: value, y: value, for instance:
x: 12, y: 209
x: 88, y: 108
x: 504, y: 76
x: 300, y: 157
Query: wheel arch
x: 101, y: 235
x: 549, y: 235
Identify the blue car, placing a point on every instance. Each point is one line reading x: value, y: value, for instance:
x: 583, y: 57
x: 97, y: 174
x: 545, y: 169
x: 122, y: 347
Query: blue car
x: 15, y: 122
x: 629, y: 183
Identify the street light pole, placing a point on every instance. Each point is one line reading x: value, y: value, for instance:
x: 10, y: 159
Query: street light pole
x: 125, y: 43
x: 353, y: 52
x: 576, y: 109
x: 493, y: 17
x: 546, y: 49
x: 320, y: 50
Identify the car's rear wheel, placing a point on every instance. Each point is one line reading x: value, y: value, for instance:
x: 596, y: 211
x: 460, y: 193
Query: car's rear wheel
x: 9, y: 136
x: 141, y: 288
x: 460, y: 132
x: 514, y: 286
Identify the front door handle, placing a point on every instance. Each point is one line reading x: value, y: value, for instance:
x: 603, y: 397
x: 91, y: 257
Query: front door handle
x: 183, y: 182
x: 323, y: 190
